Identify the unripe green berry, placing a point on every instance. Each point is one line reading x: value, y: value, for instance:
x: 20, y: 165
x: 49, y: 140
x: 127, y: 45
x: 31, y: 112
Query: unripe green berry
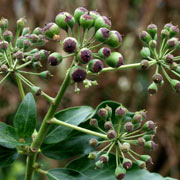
x: 93, y: 142
x: 146, y: 158
x: 7, y: 35
x: 153, y: 89
x: 43, y: 54
x: 145, y: 52
x: 93, y: 122
x: 150, y: 145
x: 120, y: 172
x: 94, y: 15
x: 102, y: 34
x: 50, y: 30
x: 157, y: 78
x: 92, y: 155
x: 141, y: 164
x: 109, y: 109
x: 102, y: 113
x: 168, y: 26
x: 95, y: 66
x: 4, y: 68
x: 78, y: 74
x: 102, y: 21
x: 79, y: 12
x: 128, y: 127
x: 148, y: 137
x: 26, y: 30
x: 144, y: 64
x: 127, y: 163
x: 120, y: 111
x: 70, y: 45
x: 99, y: 164
x: 111, y: 134
x: 65, y: 20
x: 152, y: 30
x: 174, y: 66
x: 86, y: 21
x: 21, y: 23
x: 108, y: 125
x: 36, y: 90
x: 141, y: 141
x: 173, y: 31
x: 3, y: 46
x: 104, y: 158
x: 19, y: 55
x: 175, y: 85
x: 115, y: 60
x: 145, y: 37
x: 55, y: 58
x: 104, y: 52
x: 37, y: 31
x: 169, y: 58
x: 152, y: 44
x: 114, y: 40
x: 3, y: 24
x: 45, y: 74
x: 137, y: 118
x: 172, y: 43
x: 84, y: 55
x: 164, y: 33
x: 125, y: 147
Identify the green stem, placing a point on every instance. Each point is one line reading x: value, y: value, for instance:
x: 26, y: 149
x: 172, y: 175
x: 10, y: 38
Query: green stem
x: 103, y: 149
x: 69, y: 55
x: 41, y: 171
x: 4, y: 78
x: 97, y: 45
x: 134, y: 153
x: 23, y: 65
x: 20, y: 86
x: 128, y: 66
x: 17, y: 35
x: 167, y: 67
x: 55, y: 121
x: 117, y: 156
x: 161, y: 47
x: 119, y: 144
x: 165, y: 74
x: 91, y: 38
x: 138, y: 135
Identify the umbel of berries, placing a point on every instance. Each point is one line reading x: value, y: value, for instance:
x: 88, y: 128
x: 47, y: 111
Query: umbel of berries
x: 161, y: 56
x: 124, y: 130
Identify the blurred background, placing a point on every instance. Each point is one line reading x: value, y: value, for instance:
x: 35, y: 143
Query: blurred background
x: 128, y: 87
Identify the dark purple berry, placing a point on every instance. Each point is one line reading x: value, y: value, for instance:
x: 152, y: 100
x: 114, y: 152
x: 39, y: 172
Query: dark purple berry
x: 120, y: 111
x: 70, y: 45
x: 129, y: 127
x: 95, y: 65
x: 54, y: 59
x: 127, y: 163
x: 104, y: 52
x: 104, y: 158
x: 144, y: 64
x: 84, y: 55
x: 93, y: 142
x: 169, y: 58
x: 120, y: 173
x: 19, y: 55
x: 157, y: 78
x: 102, y: 113
x: 78, y: 74
x: 93, y: 122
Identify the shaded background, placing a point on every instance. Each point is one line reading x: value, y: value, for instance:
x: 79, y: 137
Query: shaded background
x: 128, y: 87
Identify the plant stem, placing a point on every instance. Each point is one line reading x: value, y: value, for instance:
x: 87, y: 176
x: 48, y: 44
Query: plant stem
x: 20, y: 86
x: 41, y: 171
x: 4, y: 77
x: 127, y: 66
x: 23, y: 65
x: 55, y: 121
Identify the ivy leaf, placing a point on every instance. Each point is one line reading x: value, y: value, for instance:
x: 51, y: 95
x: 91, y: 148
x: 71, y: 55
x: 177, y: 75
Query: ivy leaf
x: 65, y: 174
x: 73, y: 146
x: 74, y: 115
x: 8, y: 137
x: 86, y: 167
x: 7, y: 156
x: 25, y: 118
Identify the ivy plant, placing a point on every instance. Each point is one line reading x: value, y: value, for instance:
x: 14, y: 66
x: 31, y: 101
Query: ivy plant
x: 98, y: 143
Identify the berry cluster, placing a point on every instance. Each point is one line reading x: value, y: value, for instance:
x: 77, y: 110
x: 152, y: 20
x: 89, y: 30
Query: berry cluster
x: 19, y: 52
x: 163, y: 58
x: 124, y: 130
x: 93, y: 31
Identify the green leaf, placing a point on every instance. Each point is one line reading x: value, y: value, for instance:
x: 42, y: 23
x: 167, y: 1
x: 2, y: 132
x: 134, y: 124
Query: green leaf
x: 65, y: 174
x: 73, y: 146
x: 75, y: 116
x: 86, y: 167
x: 7, y: 156
x: 8, y: 137
x: 25, y: 118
